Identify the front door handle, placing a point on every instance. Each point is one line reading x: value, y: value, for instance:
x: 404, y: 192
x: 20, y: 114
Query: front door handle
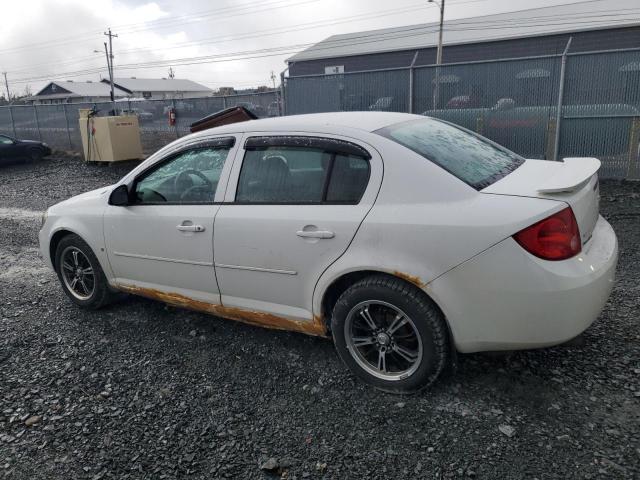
x: 190, y: 228
x: 315, y: 234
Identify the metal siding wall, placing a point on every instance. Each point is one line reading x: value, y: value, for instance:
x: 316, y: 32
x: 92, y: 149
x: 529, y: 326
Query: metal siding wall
x: 602, y: 111
x: 358, y: 91
x: 513, y: 102
x: 613, y: 38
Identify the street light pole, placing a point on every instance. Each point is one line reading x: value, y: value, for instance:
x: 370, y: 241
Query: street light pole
x: 436, y: 87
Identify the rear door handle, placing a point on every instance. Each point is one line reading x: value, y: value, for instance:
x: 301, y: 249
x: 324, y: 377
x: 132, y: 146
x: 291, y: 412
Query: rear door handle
x: 315, y: 234
x: 190, y: 228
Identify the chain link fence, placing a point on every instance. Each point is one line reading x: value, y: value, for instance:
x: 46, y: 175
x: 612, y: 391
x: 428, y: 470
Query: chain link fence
x: 513, y: 102
x: 58, y: 124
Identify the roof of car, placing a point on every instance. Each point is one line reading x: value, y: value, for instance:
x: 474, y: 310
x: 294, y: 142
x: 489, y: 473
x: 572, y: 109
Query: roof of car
x: 365, y: 121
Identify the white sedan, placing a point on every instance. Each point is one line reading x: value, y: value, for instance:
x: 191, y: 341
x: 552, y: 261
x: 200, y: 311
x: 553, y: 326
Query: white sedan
x: 404, y: 238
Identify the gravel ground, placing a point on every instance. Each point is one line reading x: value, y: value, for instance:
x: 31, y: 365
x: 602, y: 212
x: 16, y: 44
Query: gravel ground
x: 142, y: 390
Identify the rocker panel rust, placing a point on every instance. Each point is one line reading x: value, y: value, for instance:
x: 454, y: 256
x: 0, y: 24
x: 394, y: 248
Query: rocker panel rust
x: 315, y: 327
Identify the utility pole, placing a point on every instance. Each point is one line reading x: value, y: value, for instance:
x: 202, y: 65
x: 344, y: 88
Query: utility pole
x: 436, y: 88
x: 171, y: 73
x: 273, y: 79
x: 110, y: 64
x: 6, y: 84
x: 563, y: 67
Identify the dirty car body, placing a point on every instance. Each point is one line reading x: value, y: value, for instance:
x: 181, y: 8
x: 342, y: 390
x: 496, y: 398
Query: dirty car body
x: 404, y: 237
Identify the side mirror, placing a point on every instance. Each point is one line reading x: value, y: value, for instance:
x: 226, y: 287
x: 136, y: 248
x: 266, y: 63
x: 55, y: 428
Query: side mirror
x: 119, y: 196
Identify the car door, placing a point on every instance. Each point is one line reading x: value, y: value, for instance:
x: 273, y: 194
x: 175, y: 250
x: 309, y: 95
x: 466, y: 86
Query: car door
x: 293, y: 205
x: 163, y: 241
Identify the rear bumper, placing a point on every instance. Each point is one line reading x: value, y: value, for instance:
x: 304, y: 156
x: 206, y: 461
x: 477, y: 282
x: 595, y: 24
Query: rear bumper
x: 507, y: 299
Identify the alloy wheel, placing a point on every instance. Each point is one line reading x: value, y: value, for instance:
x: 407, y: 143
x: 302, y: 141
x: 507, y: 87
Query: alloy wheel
x: 383, y: 340
x: 77, y: 273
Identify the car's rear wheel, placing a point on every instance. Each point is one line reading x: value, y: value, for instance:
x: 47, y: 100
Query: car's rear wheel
x: 80, y: 273
x: 390, y: 334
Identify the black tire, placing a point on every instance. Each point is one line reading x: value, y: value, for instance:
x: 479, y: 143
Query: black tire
x: 426, y: 321
x: 35, y: 155
x: 100, y: 295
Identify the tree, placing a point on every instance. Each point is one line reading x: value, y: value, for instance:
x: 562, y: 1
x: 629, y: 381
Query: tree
x: 226, y: 91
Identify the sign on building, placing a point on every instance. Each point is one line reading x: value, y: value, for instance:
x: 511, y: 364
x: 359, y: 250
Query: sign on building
x: 334, y: 70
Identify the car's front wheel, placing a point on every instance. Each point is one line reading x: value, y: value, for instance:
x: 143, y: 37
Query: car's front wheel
x: 35, y: 154
x: 390, y: 334
x: 80, y: 273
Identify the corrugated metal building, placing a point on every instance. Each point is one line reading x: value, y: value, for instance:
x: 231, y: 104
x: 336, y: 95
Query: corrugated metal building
x: 594, y: 25
x: 161, y: 88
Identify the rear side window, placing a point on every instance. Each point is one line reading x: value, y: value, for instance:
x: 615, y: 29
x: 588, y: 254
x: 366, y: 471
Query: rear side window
x: 469, y: 157
x: 349, y: 179
x: 301, y: 171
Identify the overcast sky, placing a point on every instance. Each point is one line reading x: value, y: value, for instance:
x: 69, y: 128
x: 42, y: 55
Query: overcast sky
x: 45, y: 39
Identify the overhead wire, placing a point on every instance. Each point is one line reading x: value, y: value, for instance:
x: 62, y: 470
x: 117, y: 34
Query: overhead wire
x: 329, y: 44
x: 261, y: 53
x: 455, y: 22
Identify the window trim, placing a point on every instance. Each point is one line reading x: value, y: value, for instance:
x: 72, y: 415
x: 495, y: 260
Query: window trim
x: 212, y: 143
x: 329, y: 145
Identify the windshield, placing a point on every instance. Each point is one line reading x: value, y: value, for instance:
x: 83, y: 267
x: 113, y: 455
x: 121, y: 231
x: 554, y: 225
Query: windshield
x: 473, y: 159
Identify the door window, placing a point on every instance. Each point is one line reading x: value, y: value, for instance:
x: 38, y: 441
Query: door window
x: 5, y: 140
x: 190, y: 177
x: 349, y: 179
x: 301, y: 174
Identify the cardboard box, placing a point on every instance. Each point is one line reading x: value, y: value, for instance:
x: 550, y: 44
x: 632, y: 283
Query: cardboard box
x: 110, y: 139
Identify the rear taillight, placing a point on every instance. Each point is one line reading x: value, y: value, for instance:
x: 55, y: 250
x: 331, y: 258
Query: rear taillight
x: 554, y: 238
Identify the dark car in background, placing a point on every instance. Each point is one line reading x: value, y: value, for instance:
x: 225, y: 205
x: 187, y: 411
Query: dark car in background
x: 14, y: 149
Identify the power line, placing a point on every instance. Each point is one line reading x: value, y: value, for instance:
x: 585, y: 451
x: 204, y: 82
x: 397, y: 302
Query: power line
x: 201, y: 15
x: 277, y: 51
x: 274, y: 31
x: 458, y: 22
x: 269, y: 52
x: 230, y: 12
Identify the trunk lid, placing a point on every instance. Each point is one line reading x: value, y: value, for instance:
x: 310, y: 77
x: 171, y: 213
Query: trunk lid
x: 573, y: 181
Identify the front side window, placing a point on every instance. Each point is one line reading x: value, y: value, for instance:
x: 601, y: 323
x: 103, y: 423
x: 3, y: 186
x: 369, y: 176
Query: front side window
x: 301, y: 175
x: 469, y: 157
x: 5, y: 140
x: 190, y: 177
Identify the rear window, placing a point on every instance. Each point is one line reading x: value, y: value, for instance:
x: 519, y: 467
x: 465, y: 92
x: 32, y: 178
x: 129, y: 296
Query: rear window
x: 469, y: 157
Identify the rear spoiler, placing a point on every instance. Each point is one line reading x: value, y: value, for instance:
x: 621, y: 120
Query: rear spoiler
x: 575, y: 172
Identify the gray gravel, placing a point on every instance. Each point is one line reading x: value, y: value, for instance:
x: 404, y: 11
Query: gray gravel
x: 142, y: 390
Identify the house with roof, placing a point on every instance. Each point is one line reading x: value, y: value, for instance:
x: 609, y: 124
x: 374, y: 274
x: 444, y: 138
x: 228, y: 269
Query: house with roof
x: 70, y: 91
x: 160, y: 88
